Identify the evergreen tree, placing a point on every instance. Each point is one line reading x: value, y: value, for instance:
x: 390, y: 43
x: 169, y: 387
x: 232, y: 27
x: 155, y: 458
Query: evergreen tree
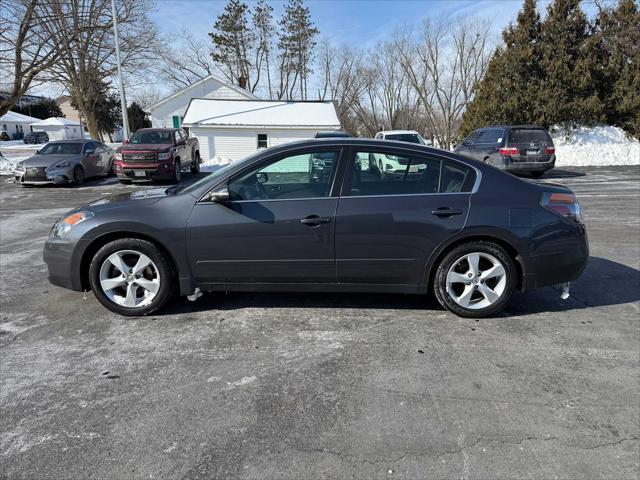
x: 137, y: 117
x: 569, y: 86
x: 43, y: 109
x: 233, y: 42
x: 108, y: 113
x: 508, y: 92
x: 617, y: 35
x: 296, y: 41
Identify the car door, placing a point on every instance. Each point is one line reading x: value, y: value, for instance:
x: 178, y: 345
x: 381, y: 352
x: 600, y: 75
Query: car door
x: 387, y: 228
x: 181, y: 148
x: 276, y: 228
x: 488, y: 143
x: 467, y: 144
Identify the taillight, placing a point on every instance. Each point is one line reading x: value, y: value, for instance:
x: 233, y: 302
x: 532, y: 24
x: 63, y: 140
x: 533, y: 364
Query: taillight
x: 509, y: 151
x: 549, y: 151
x: 564, y: 204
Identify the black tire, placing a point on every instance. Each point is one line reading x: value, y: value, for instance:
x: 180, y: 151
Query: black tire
x: 177, y: 172
x: 161, y: 260
x: 537, y: 174
x: 195, y: 165
x: 124, y: 181
x: 112, y: 169
x: 482, y: 247
x: 78, y: 175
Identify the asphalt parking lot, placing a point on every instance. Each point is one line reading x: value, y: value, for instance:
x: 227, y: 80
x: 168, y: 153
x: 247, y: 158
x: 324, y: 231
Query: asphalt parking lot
x: 322, y: 386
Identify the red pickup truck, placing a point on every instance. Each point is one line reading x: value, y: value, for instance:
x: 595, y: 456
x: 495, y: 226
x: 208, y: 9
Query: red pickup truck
x: 157, y: 154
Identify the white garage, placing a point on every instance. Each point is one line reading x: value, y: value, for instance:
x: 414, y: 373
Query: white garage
x: 229, y: 130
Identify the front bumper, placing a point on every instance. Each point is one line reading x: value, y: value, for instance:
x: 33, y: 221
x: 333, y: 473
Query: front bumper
x: 42, y: 176
x: 62, y: 264
x: 152, y: 171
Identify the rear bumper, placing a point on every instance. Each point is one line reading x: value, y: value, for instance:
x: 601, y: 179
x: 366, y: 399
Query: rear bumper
x: 530, y: 166
x: 562, y: 260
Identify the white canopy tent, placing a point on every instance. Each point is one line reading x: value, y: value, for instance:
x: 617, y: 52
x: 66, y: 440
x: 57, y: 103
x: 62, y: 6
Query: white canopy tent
x: 59, y: 128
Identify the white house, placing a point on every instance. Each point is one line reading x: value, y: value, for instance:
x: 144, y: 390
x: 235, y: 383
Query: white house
x: 170, y: 111
x: 59, y: 128
x: 234, y: 129
x: 15, y: 123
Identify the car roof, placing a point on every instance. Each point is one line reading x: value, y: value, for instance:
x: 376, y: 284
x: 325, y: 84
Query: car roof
x: 76, y: 140
x: 537, y: 127
x: 398, y: 132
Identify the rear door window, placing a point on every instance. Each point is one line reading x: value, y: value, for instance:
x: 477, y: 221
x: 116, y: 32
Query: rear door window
x: 392, y: 173
x: 457, y: 178
x: 528, y: 135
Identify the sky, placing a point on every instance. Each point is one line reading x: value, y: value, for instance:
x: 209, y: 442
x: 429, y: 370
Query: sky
x: 353, y: 22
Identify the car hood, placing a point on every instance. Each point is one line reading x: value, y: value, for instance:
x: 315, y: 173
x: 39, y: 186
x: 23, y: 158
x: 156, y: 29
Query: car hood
x: 129, y: 199
x: 156, y: 147
x: 48, y: 160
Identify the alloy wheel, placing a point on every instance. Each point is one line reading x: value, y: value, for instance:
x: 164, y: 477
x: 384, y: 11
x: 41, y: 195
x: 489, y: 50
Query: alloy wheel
x: 476, y: 280
x: 129, y: 278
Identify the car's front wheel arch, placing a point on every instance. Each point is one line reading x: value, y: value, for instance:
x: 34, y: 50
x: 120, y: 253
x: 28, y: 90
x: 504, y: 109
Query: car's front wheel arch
x: 103, y: 240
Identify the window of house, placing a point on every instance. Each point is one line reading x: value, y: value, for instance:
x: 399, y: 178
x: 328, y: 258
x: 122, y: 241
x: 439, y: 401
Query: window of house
x: 262, y: 140
x: 304, y: 175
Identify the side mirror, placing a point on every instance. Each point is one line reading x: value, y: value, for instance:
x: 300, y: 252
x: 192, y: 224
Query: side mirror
x: 262, y: 177
x: 90, y: 151
x: 219, y: 196
x: 37, y: 152
x: 125, y: 141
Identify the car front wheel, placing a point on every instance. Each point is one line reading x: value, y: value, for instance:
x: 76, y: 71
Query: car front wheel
x: 195, y: 166
x: 177, y: 171
x: 475, y: 280
x: 132, y: 277
x: 78, y: 175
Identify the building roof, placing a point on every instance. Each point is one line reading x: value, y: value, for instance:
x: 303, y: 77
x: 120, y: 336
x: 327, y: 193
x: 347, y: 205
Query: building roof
x: 16, y: 117
x: 261, y: 113
x: 56, y: 122
x: 240, y: 90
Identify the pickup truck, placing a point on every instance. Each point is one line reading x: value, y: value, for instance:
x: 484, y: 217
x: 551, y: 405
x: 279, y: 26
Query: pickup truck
x: 157, y: 154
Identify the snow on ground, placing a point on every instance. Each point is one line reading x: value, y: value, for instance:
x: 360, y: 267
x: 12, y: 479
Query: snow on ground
x: 214, y: 164
x: 595, y: 146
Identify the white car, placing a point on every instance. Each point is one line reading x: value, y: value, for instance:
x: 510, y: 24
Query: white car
x: 391, y: 165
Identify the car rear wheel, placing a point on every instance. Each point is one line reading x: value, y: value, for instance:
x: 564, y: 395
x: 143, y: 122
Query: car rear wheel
x: 125, y: 182
x: 195, y: 166
x: 475, y: 280
x: 177, y: 171
x: 131, y: 277
x: 537, y: 174
x: 78, y: 175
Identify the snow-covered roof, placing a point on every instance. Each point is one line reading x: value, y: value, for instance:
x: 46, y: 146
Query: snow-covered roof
x: 56, y: 122
x: 16, y: 117
x: 261, y: 113
x: 240, y: 90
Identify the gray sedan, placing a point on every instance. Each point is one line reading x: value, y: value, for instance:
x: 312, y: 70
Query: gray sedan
x: 65, y: 161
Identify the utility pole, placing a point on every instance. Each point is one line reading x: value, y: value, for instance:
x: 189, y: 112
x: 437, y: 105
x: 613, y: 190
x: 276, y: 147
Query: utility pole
x: 123, y: 100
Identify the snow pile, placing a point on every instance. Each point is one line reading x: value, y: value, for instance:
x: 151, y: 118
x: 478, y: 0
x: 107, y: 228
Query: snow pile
x: 214, y: 164
x: 594, y: 146
x: 7, y: 165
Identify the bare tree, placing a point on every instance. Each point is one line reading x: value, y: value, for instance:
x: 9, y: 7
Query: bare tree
x: 184, y: 62
x: 25, y: 49
x: 444, y: 65
x: 89, y: 56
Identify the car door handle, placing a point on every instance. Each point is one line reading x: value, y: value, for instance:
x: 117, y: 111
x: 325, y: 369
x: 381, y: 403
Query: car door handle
x: 446, y: 212
x: 314, y: 220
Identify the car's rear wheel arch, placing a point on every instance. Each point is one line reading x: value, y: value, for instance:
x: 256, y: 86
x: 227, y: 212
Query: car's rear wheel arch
x: 101, y: 241
x: 444, y: 250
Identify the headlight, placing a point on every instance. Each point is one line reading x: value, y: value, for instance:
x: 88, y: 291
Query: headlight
x: 61, y: 165
x: 164, y: 156
x: 65, y: 224
x: 117, y: 156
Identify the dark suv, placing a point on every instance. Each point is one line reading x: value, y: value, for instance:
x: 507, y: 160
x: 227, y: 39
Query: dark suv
x: 518, y: 148
x: 36, y: 137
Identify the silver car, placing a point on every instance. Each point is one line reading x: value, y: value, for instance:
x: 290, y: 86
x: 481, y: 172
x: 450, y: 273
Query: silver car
x: 65, y: 161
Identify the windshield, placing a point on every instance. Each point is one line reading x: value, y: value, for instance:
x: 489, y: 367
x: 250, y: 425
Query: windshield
x: 405, y: 137
x: 152, y: 137
x: 62, y: 149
